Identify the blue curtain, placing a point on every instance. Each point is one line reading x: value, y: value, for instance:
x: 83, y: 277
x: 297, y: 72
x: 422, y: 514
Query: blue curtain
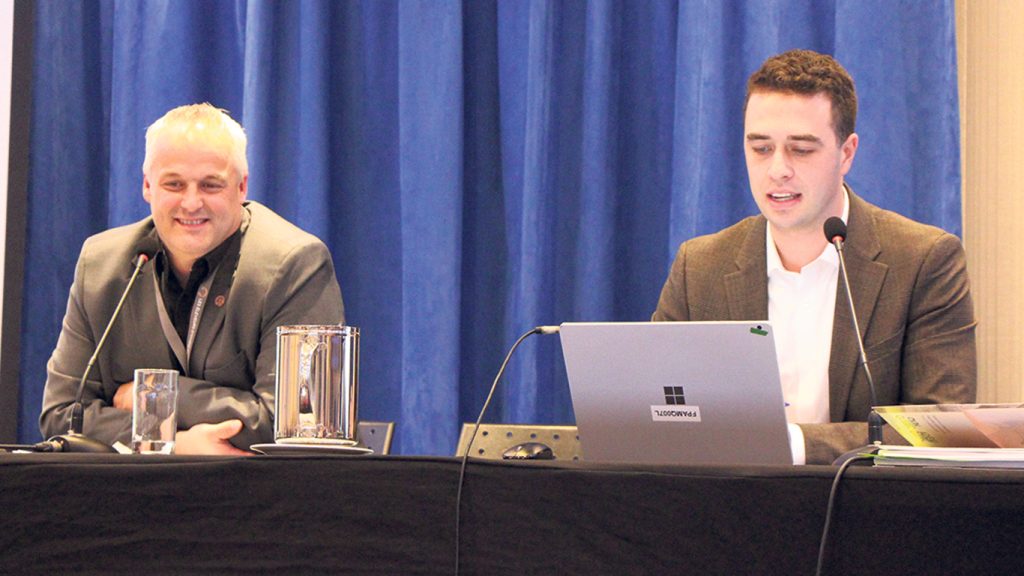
x: 477, y: 168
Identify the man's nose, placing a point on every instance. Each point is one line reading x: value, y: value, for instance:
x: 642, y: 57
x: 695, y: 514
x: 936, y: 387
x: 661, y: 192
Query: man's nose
x: 780, y: 168
x: 191, y: 200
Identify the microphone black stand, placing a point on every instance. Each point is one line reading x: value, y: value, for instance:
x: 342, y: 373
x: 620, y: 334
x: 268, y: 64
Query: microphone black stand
x: 835, y: 233
x: 74, y: 440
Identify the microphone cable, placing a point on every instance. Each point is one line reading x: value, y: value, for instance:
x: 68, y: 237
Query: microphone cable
x: 44, y: 446
x: 476, y: 427
x: 40, y: 447
x: 830, y: 509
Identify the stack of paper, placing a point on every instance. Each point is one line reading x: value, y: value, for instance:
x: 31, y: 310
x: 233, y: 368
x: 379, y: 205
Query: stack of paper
x: 959, y: 435
x: 958, y: 425
x: 950, y: 457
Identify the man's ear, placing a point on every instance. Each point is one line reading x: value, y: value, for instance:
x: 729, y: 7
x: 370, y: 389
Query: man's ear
x: 243, y: 187
x: 847, y: 151
x: 146, y: 194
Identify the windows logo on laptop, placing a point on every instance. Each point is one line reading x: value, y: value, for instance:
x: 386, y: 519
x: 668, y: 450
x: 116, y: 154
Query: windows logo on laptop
x: 671, y: 411
x: 674, y: 395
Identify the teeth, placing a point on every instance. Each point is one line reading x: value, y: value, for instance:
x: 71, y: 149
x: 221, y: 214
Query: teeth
x: 782, y: 197
x: 191, y: 222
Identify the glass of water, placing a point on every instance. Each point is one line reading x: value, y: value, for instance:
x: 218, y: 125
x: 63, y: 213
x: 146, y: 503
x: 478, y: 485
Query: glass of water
x: 154, y: 411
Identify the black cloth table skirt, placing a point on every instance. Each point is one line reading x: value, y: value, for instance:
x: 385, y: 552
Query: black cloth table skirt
x: 63, y: 513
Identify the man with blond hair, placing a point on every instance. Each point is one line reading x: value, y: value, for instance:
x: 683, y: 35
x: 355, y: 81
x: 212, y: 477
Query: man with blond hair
x: 227, y: 274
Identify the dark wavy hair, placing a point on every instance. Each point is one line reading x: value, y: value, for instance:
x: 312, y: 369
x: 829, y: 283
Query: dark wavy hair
x: 808, y: 73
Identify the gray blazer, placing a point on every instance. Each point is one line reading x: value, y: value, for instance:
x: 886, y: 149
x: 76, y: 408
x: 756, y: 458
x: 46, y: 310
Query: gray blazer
x: 284, y: 276
x: 913, y: 299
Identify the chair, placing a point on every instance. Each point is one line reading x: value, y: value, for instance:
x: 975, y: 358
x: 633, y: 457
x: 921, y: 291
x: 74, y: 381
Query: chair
x: 492, y: 440
x: 376, y: 435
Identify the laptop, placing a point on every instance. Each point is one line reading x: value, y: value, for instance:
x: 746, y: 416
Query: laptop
x: 676, y: 392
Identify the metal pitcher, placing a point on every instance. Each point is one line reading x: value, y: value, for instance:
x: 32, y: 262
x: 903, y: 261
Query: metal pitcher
x: 316, y: 384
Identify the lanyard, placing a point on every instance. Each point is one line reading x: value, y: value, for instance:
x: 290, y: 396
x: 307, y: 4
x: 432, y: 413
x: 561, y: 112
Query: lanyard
x: 183, y: 351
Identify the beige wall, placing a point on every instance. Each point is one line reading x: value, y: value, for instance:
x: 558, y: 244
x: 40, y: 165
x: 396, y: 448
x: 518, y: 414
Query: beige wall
x: 991, y: 76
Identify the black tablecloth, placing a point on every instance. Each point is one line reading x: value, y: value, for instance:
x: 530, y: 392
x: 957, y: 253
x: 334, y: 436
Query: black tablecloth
x: 66, y: 513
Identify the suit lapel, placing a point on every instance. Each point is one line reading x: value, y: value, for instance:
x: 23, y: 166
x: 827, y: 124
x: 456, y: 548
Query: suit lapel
x: 752, y: 270
x: 866, y: 277
x: 136, y: 345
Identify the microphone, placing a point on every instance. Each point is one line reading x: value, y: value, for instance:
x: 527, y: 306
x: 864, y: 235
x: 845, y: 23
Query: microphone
x: 835, y: 233
x: 476, y: 427
x: 74, y: 440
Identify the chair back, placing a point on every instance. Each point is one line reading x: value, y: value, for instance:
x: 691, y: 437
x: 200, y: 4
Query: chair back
x: 376, y: 435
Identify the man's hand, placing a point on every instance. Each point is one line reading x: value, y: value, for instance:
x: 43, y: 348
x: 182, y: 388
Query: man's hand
x: 209, y: 439
x: 123, y: 397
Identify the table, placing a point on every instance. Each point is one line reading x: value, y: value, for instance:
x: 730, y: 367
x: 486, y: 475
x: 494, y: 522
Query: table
x: 62, y: 513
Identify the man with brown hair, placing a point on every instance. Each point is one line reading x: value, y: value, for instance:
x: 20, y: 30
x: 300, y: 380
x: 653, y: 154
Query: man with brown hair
x: 908, y: 280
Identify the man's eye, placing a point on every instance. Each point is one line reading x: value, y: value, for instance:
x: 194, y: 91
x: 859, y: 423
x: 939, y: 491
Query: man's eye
x: 802, y: 151
x: 173, y: 185
x: 213, y: 186
x: 761, y: 149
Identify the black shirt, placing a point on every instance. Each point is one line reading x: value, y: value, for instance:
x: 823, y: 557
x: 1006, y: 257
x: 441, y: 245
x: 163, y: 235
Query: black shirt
x: 178, y: 299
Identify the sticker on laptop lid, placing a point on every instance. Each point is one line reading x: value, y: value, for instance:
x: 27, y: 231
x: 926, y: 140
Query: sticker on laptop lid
x: 672, y: 413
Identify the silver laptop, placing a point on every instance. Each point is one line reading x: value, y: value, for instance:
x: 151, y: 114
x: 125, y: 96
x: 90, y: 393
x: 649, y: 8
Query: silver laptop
x: 676, y: 392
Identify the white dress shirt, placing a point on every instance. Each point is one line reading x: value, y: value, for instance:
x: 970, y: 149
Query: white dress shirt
x: 801, y: 307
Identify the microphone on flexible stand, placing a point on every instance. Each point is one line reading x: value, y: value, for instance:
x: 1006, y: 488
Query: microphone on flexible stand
x: 835, y: 233
x: 74, y: 440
